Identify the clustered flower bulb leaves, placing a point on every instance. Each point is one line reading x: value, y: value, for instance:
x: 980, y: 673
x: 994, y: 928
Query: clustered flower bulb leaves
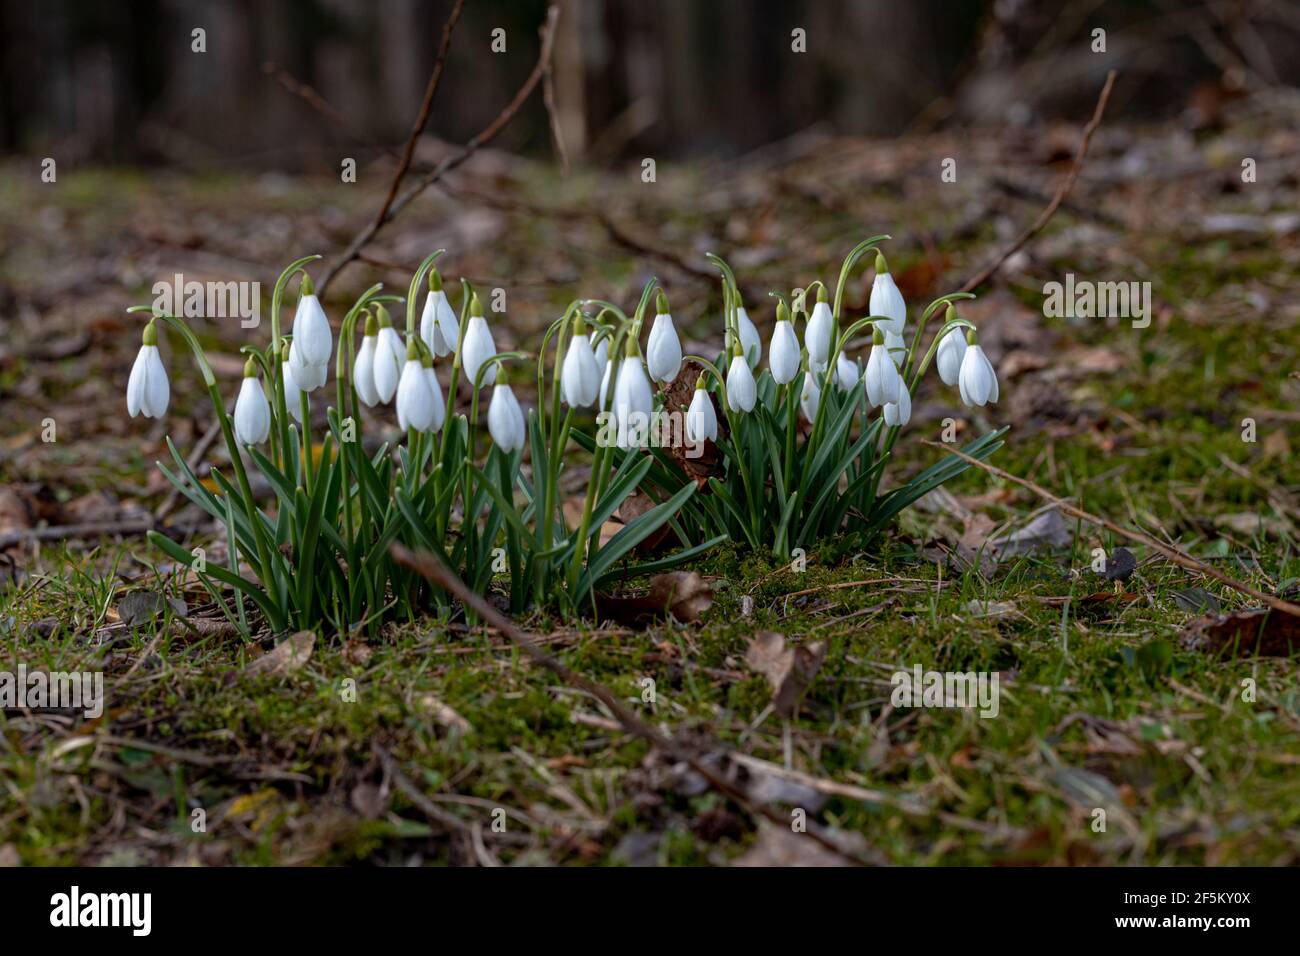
x: 363, y: 371
x: 479, y: 346
x: 663, y: 353
x: 750, y: 344
x: 976, y: 381
x: 817, y: 336
x: 390, y: 356
x: 580, y: 375
x: 883, y: 383
x: 309, y: 353
x: 633, y: 399
x: 147, y: 390
x: 701, y: 418
x: 886, y: 300
x: 783, y: 352
x: 252, y: 410
x: 415, y: 407
x: 742, y: 391
x: 506, y: 419
x: 439, y: 327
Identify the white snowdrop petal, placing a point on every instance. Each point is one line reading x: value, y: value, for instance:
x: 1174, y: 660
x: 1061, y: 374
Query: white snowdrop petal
x: 817, y: 337
x: 952, y: 349
x: 887, y: 301
x: 389, y: 358
x: 742, y: 392
x: 663, y: 349
x: 311, y: 331
x: 783, y: 353
x: 479, y: 348
x: 506, y: 420
x: 750, y: 343
x: 252, y: 413
x: 363, y: 372
x: 439, y: 405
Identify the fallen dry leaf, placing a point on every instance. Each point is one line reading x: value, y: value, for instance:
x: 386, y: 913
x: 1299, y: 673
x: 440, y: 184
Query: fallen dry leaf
x: 285, y: 658
x: 1261, y: 631
x: 683, y: 594
x: 776, y: 846
x: 788, y: 669
x: 444, y: 715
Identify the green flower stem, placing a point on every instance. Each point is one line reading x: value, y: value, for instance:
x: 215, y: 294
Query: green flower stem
x: 277, y: 380
x: 933, y: 307
x: 308, y: 467
x: 856, y: 253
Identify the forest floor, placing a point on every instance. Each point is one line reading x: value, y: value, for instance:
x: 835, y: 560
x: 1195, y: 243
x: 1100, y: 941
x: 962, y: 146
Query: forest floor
x: 456, y: 749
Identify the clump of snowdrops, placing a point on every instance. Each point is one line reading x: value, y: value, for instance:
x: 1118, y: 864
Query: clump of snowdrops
x: 804, y: 443
x: 321, y: 553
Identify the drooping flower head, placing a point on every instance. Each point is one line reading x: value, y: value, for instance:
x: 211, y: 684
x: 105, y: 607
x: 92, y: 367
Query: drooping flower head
x: 414, y: 400
x: 881, y: 378
x: 435, y: 391
x: 252, y: 411
x: 147, y: 390
x: 439, y: 327
x: 506, y: 420
x: 817, y: 336
x: 292, y: 393
x: 390, y: 356
x: 977, y: 381
x: 701, y: 417
x: 742, y: 391
x: 886, y: 300
x: 479, y: 345
x: 633, y: 399
x: 810, y: 398
x: 751, y: 345
x: 663, y: 352
x: 363, y: 370
x: 580, y: 375
x: 783, y: 352
x: 312, y: 338
x: 951, y: 351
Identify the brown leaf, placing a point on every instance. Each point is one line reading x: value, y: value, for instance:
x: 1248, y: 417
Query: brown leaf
x: 777, y: 846
x: 1261, y: 631
x: 683, y: 594
x: 285, y: 658
x: 788, y: 669
x: 634, y: 506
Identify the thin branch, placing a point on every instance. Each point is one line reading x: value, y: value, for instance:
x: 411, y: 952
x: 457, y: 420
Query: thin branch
x: 392, y: 206
x: 430, y: 567
x: 1064, y: 190
x: 1181, y: 558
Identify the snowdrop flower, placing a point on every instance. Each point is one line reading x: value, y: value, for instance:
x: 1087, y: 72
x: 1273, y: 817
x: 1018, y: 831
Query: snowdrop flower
x: 292, y: 393
x: 580, y: 375
x: 363, y: 371
x: 506, y: 420
x: 900, y: 412
x: 886, y: 300
x: 390, y: 356
x: 435, y: 392
x: 951, y: 351
x: 479, y: 345
x: 311, y: 330
x: 742, y: 392
x: 438, y: 324
x: 701, y: 418
x: 896, y: 348
x: 308, y: 376
x: 252, y: 412
x: 882, y: 379
x: 147, y: 390
x: 977, y: 381
x: 663, y: 351
x: 414, y: 400
x: 749, y: 340
x: 811, y: 398
x: 783, y: 351
x: 633, y: 399
x: 847, y: 373
x: 817, y: 336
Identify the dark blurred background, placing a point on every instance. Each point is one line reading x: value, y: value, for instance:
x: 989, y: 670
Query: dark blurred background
x: 118, y: 81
